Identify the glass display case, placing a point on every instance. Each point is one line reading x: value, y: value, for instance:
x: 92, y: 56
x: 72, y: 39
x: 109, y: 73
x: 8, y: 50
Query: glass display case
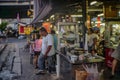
x: 67, y: 34
x: 112, y: 33
x: 112, y: 38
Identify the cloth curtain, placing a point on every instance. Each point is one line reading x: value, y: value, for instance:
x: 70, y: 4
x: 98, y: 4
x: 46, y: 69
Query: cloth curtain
x: 41, y: 9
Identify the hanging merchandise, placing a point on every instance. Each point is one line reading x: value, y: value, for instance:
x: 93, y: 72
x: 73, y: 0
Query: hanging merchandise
x: 98, y: 22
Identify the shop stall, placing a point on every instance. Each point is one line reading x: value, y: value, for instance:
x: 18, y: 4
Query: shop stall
x: 71, y: 57
x: 112, y: 38
x: 71, y: 66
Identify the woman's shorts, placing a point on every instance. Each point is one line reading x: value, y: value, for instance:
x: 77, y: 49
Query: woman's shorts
x: 36, y: 53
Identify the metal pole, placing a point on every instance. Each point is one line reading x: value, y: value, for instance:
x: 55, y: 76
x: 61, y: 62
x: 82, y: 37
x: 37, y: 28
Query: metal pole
x: 58, y: 56
x: 84, y: 10
x: 58, y: 66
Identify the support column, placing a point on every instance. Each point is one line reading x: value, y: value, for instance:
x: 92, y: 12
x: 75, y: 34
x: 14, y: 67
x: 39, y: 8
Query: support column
x: 84, y: 11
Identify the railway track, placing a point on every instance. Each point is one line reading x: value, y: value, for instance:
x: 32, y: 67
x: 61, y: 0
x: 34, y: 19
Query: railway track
x: 6, y: 57
x: 2, y: 47
x: 3, y: 56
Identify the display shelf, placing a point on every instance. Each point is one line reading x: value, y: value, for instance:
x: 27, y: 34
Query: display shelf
x: 64, y: 28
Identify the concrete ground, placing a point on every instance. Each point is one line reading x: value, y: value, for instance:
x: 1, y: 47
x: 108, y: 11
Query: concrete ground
x: 28, y: 71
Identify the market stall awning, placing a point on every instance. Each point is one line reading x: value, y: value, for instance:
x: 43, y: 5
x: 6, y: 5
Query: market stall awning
x: 41, y: 9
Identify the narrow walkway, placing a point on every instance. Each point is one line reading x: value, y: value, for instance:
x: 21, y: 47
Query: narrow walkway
x: 28, y: 71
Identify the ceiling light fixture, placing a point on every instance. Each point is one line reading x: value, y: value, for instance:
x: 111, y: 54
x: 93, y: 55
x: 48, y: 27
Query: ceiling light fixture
x: 94, y: 2
x: 0, y: 21
x: 52, y: 16
x: 76, y: 15
x: 119, y: 13
x: 101, y: 14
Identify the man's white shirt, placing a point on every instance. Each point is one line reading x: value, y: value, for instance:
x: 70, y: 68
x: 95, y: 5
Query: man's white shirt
x: 91, y: 37
x: 48, y: 41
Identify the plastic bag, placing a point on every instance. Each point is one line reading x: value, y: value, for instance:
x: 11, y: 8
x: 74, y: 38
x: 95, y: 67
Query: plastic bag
x: 92, y: 71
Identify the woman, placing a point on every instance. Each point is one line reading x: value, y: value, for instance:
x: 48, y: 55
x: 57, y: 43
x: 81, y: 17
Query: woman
x: 37, y: 49
x: 116, y: 56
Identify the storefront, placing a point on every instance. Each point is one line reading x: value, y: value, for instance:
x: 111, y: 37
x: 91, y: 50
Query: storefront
x: 71, y: 25
x: 71, y: 58
x: 112, y: 38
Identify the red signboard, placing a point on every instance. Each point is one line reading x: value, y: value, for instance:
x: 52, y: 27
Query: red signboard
x: 98, y: 21
x: 21, y: 30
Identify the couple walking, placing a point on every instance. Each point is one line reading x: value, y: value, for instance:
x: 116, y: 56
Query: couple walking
x: 47, y: 52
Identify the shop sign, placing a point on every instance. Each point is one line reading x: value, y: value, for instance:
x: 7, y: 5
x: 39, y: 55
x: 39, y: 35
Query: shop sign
x: 30, y: 13
x: 21, y: 30
x: 24, y: 30
x: 27, y: 30
x: 110, y: 11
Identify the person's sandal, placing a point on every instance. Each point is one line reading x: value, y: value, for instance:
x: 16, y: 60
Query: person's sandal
x: 40, y: 72
x: 112, y: 76
x: 36, y: 67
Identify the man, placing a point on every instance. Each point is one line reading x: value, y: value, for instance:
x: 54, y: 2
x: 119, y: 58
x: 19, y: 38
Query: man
x: 91, y: 37
x: 47, y: 51
x: 55, y: 41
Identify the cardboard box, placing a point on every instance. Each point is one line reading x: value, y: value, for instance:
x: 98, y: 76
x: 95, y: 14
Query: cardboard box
x: 80, y: 75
